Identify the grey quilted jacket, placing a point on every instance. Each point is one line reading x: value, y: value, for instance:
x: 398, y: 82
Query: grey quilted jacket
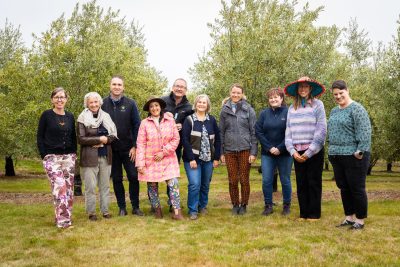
x: 237, y: 129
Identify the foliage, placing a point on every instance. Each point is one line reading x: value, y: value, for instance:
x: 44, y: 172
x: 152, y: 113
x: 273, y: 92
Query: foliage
x: 264, y: 44
x: 10, y: 42
x: 386, y: 94
x: 79, y: 53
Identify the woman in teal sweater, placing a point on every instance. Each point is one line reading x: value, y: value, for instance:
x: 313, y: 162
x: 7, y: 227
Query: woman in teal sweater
x: 349, y: 131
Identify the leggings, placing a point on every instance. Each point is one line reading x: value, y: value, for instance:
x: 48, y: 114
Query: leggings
x: 174, y: 197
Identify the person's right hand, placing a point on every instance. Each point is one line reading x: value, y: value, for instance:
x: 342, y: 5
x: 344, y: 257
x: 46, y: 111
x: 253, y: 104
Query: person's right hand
x: 193, y: 164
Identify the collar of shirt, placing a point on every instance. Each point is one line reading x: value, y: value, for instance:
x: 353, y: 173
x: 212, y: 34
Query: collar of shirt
x: 196, y: 119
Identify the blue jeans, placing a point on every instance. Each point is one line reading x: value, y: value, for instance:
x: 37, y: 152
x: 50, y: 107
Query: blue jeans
x: 284, y: 165
x: 199, y: 185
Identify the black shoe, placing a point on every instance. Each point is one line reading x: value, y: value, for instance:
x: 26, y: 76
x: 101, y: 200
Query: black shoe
x: 268, y: 210
x: 242, y: 210
x: 93, y: 217
x: 123, y: 212
x: 235, y: 209
x: 356, y: 226
x: 137, y: 211
x: 286, y: 209
x: 107, y: 216
x: 345, y: 223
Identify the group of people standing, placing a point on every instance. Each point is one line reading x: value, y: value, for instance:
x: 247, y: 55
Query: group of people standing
x: 111, y: 135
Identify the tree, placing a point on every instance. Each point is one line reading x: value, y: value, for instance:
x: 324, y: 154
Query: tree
x: 79, y: 53
x: 263, y: 44
x: 11, y: 47
x: 386, y: 90
x: 10, y: 42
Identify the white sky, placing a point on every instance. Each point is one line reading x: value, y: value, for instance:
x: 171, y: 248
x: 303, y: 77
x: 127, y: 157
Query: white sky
x: 176, y: 31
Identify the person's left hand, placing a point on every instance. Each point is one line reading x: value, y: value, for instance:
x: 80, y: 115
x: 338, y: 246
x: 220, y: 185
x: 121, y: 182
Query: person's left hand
x: 132, y: 154
x: 215, y: 163
x: 252, y: 158
x: 274, y: 151
x: 159, y: 156
x: 304, y: 157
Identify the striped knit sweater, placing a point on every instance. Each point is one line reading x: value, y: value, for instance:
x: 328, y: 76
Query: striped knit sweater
x: 306, y: 128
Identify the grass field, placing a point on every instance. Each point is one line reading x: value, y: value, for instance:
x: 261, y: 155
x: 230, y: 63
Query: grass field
x: 29, y: 238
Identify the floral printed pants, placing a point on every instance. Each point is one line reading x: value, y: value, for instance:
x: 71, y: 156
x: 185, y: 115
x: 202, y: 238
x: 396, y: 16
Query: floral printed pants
x: 60, y: 170
x: 173, y: 187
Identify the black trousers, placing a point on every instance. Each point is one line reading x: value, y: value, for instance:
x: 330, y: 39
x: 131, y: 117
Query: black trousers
x: 350, y: 175
x: 119, y: 159
x: 309, y: 185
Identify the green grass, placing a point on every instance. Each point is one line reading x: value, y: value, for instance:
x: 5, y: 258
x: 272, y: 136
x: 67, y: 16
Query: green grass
x: 29, y: 237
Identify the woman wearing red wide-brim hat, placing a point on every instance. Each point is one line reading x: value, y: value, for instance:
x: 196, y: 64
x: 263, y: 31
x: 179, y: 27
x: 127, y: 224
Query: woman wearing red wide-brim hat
x: 304, y: 139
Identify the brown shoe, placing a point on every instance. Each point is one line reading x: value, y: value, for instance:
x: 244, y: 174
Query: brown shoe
x: 158, y: 213
x: 177, y: 215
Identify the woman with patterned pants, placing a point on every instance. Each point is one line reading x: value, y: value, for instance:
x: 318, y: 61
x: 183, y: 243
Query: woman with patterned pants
x: 56, y: 142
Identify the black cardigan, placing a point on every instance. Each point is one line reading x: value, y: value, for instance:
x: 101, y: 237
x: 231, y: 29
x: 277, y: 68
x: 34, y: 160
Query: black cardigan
x: 54, y: 138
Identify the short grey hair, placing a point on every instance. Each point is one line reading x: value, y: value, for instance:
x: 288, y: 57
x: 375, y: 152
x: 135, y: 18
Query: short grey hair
x: 90, y: 95
x: 197, y: 99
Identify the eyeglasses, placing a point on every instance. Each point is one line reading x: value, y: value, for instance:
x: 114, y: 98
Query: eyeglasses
x: 179, y: 86
x: 59, y: 98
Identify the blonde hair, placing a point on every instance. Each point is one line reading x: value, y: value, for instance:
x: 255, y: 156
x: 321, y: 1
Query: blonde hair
x: 92, y: 94
x: 197, y: 99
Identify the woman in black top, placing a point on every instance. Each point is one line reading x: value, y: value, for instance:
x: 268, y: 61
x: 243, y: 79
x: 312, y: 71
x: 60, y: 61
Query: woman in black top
x: 56, y: 141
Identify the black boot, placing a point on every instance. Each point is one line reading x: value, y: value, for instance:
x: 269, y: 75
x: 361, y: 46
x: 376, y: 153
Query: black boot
x: 268, y: 209
x: 286, y: 209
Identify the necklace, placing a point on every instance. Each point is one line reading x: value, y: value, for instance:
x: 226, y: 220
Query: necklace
x: 60, y: 120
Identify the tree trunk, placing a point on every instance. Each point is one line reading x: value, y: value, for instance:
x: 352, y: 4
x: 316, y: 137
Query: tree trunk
x: 10, y: 171
x: 326, y: 165
x: 372, y: 163
x: 389, y: 167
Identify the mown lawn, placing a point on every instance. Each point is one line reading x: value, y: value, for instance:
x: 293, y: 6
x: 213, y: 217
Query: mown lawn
x: 29, y: 238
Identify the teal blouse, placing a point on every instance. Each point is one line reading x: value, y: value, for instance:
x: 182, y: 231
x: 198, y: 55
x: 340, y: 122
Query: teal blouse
x: 349, y: 130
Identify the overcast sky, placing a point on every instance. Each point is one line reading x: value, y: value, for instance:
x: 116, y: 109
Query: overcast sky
x: 176, y: 31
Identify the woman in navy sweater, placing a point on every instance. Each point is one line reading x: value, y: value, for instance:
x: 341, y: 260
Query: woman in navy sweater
x: 201, y: 152
x: 270, y: 131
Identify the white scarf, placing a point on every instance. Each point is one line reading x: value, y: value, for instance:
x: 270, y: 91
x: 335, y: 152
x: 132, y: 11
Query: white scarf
x: 87, y: 119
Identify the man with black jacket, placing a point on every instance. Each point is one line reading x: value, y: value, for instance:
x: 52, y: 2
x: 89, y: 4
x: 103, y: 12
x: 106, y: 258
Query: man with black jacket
x: 179, y: 106
x: 125, y: 114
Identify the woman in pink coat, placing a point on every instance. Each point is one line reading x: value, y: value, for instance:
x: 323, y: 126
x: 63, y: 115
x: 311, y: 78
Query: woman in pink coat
x: 156, y: 160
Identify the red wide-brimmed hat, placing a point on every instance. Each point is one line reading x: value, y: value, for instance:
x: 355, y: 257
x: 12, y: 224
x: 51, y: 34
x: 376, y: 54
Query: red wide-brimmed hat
x: 317, y: 89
